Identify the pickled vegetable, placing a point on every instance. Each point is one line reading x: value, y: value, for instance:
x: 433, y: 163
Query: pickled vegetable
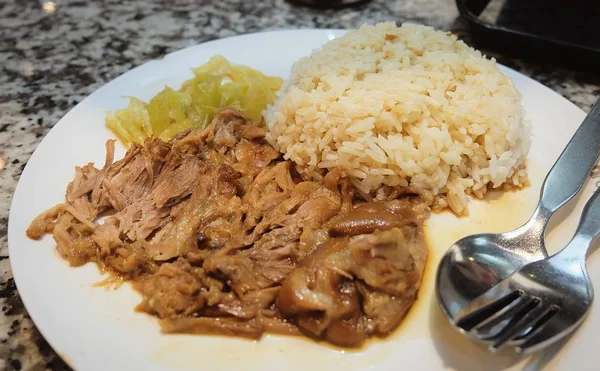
x: 218, y: 83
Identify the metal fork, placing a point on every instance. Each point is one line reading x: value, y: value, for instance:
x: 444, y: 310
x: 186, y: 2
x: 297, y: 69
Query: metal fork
x: 541, y: 302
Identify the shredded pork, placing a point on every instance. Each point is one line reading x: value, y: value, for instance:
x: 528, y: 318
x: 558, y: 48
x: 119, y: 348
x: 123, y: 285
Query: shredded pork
x: 220, y: 235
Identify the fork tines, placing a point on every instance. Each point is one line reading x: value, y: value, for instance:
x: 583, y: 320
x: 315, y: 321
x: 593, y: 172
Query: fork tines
x: 514, y: 318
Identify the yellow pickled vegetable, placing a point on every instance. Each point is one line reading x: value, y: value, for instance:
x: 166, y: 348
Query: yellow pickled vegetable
x: 217, y: 83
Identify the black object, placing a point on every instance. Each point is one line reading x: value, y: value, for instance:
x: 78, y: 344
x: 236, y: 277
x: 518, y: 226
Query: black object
x: 563, y: 32
x: 324, y: 4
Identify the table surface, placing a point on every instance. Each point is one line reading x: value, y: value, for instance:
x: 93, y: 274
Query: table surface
x: 54, y: 53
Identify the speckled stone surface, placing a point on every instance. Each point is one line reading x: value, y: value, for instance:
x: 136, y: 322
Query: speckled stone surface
x: 54, y: 53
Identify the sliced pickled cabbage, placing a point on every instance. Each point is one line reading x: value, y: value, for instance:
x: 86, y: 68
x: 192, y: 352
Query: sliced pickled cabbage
x: 217, y: 83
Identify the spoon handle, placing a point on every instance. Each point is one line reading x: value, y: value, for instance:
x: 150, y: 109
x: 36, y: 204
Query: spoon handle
x: 574, y: 165
x: 587, y: 230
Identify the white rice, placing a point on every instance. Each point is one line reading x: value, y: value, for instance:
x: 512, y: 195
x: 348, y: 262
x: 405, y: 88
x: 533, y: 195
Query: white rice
x: 400, y: 106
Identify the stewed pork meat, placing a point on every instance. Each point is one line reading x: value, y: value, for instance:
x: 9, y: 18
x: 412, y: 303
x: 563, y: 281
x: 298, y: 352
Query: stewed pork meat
x: 221, y: 235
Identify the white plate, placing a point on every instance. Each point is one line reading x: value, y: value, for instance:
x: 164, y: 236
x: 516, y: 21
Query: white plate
x: 97, y: 329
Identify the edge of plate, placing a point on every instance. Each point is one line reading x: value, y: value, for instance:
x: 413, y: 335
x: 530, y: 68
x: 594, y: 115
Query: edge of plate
x: 24, y: 295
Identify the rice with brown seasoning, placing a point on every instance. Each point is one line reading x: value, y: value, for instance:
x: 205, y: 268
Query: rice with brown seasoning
x: 404, y: 106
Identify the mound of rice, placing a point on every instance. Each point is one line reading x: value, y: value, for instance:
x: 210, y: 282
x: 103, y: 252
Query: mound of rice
x: 400, y: 106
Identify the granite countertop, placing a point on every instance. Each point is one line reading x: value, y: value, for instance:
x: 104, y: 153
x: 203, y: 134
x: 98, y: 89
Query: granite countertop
x: 54, y: 53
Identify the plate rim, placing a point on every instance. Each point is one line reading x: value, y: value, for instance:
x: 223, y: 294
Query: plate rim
x: 18, y: 276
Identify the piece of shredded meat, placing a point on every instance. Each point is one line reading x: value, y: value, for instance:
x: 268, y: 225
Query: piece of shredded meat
x: 220, y: 235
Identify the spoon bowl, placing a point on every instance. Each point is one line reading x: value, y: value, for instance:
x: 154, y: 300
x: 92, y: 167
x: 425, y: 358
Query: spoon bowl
x: 476, y: 263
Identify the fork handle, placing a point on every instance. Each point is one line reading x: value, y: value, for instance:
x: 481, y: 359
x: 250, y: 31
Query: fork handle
x: 587, y: 230
x: 574, y: 164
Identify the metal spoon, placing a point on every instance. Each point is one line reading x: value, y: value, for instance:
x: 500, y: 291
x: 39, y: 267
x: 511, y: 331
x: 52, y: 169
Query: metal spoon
x: 476, y: 263
x: 541, y: 302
